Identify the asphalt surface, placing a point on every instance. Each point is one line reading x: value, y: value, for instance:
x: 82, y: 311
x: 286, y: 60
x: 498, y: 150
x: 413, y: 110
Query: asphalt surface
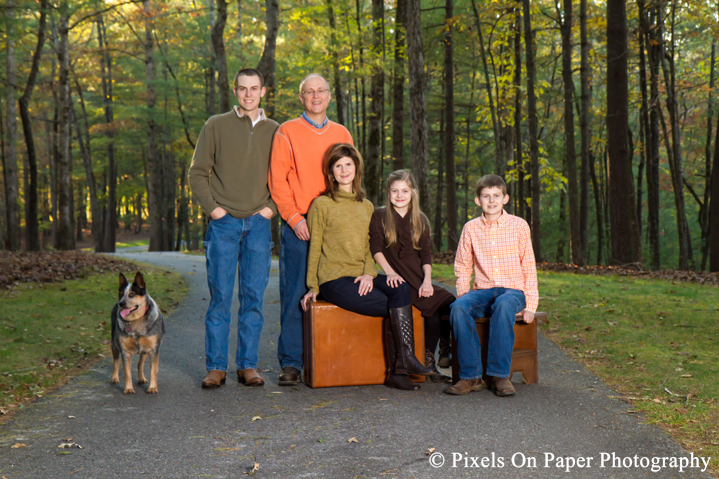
x: 568, y: 425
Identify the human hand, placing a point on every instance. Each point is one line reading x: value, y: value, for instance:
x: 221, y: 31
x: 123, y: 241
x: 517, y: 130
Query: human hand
x: 426, y: 290
x: 302, y: 232
x: 266, y: 213
x: 309, y: 296
x: 527, y: 316
x: 218, y: 213
x: 394, y: 280
x: 365, y: 282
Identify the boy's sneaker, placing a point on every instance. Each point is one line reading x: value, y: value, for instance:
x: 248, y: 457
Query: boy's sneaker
x: 290, y: 376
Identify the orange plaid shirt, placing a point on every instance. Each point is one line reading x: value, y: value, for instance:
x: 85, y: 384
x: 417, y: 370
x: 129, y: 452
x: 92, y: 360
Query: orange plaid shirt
x: 501, y: 254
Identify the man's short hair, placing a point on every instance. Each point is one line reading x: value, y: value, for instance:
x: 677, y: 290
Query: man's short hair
x: 491, y: 181
x: 249, y: 72
x: 302, y: 83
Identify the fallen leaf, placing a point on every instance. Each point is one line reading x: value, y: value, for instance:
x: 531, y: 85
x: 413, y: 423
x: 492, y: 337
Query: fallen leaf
x: 3, y: 411
x: 352, y: 439
x: 67, y: 439
x: 686, y: 375
x: 429, y: 451
x: 322, y: 439
x: 18, y: 445
x: 256, y: 418
x: 71, y: 417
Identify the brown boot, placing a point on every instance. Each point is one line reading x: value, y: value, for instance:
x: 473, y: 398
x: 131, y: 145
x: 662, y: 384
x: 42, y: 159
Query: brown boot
x: 501, y: 386
x: 465, y: 386
x: 445, y: 358
x: 394, y: 380
x: 403, y: 333
x: 249, y: 377
x: 214, y: 379
x: 429, y: 361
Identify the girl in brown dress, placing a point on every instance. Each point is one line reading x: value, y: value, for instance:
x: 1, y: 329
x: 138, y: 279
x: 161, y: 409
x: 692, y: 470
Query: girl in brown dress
x: 400, y: 244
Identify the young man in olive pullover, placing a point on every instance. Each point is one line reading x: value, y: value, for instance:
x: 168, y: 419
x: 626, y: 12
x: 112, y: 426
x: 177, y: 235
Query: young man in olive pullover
x: 228, y: 177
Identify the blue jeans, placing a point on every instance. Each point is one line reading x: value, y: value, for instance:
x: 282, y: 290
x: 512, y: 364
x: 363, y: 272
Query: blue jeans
x: 293, y: 286
x: 229, y: 242
x: 501, y: 305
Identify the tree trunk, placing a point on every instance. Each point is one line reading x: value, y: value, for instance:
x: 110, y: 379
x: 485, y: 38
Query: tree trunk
x: 211, y: 70
x: 650, y: 157
x: 686, y: 260
x: 704, y: 211
x: 417, y: 105
x: 109, y: 219
x: 362, y: 141
x: 575, y: 241
x: 437, y: 236
x: 218, y: 45
x: 85, y: 153
x: 10, y: 167
x: 714, y: 209
x: 624, y: 231
x: 65, y: 236
x: 654, y: 49
x: 498, y: 158
x: 533, y: 138
x: 398, y: 87
x: 154, y: 163
x: 585, y: 133
x: 519, y: 201
x: 372, y: 155
x: 266, y: 66
x: 32, y: 236
x: 449, y: 137
x: 598, y: 208
x: 337, y: 79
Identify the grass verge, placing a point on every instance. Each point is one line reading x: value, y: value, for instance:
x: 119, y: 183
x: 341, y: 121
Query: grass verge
x: 49, y: 332
x: 655, y: 342
x: 129, y: 243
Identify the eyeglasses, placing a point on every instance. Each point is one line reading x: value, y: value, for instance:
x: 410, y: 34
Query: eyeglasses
x: 311, y: 93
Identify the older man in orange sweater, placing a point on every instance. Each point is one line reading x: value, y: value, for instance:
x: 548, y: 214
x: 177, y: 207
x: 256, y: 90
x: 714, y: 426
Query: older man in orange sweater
x: 295, y: 180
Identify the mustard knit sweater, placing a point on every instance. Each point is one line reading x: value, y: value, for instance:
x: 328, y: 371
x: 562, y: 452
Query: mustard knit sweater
x: 339, y: 239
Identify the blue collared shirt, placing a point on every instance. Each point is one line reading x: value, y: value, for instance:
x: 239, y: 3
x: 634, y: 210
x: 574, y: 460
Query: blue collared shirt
x: 314, y: 123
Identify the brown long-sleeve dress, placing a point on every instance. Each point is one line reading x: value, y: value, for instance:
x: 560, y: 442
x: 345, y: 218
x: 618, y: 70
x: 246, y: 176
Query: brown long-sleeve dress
x: 407, y: 261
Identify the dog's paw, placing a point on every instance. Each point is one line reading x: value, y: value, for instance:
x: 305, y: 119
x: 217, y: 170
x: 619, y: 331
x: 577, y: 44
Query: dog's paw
x: 114, y: 380
x: 129, y: 391
x: 152, y: 390
x: 142, y: 381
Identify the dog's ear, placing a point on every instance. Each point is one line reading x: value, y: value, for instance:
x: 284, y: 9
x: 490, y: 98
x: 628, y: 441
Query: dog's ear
x: 123, y: 281
x: 139, y: 280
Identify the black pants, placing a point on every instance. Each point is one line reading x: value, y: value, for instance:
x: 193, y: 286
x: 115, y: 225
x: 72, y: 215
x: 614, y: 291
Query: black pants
x: 435, y: 327
x: 344, y: 292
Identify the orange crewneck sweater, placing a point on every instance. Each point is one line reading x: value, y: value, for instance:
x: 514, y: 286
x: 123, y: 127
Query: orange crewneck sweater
x: 295, y: 176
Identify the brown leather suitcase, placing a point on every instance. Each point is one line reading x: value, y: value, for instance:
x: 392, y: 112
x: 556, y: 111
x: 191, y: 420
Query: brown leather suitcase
x: 345, y: 349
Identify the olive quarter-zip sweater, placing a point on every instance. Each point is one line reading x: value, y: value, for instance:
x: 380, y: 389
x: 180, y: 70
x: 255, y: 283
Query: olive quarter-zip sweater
x: 230, y: 165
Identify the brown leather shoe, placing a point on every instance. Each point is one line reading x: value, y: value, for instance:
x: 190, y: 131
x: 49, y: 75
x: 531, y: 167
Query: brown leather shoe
x: 290, y: 376
x: 249, y: 377
x: 501, y: 386
x: 214, y: 379
x: 465, y: 386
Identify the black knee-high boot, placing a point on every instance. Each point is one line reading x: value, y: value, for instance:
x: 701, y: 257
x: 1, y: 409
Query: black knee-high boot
x: 403, y: 332
x: 394, y: 380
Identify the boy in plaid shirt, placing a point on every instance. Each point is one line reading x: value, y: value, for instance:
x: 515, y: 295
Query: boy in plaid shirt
x: 498, y: 247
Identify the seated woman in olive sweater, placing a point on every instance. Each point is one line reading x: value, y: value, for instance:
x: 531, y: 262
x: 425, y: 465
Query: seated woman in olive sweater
x: 399, y: 241
x: 340, y: 258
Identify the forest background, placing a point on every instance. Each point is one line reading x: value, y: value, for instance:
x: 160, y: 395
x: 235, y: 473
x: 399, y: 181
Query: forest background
x: 605, y: 127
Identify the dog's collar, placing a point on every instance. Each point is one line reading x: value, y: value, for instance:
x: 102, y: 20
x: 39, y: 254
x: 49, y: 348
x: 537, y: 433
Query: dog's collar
x: 128, y: 327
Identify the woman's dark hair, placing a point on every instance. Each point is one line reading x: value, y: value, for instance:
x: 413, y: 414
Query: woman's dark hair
x: 335, y: 153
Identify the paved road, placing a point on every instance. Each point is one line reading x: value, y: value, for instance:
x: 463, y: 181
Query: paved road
x: 185, y: 431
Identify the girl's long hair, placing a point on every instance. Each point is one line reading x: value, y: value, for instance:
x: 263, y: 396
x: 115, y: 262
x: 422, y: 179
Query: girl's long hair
x: 417, y: 220
x: 333, y: 155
